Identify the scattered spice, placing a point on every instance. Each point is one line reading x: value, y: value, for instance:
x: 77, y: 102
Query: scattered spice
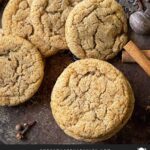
x: 19, y: 136
x: 131, y: 6
x: 19, y: 127
x: 140, y: 5
x: 25, y: 124
x: 23, y: 129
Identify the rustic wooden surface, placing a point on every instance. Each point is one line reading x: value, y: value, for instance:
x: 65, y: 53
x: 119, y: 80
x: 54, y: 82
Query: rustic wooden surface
x: 46, y: 130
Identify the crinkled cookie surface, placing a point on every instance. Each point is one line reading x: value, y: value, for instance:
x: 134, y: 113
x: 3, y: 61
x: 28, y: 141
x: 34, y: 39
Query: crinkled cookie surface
x: 96, y: 29
x: 16, y: 20
x: 21, y: 72
x: 48, y: 19
x: 91, y: 100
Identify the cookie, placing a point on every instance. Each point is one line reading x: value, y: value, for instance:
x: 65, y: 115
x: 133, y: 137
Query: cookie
x: 91, y: 100
x: 96, y: 29
x: 21, y: 72
x: 16, y: 20
x: 1, y: 32
x: 48, y: 20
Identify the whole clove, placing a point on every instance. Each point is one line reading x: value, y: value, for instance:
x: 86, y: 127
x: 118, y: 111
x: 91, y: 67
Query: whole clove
x: 23, y: 129
x: 19, y: 136
x: 19, y: 127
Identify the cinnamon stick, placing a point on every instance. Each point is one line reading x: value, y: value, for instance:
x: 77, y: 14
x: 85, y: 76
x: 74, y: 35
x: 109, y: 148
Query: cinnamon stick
x: 126, y: 58
x: 138, y: 56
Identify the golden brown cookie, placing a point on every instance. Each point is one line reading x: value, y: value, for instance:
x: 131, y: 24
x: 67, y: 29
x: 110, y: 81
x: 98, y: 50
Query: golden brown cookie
x: 16, y: 20
x: 48, y: 20
x: 1, y: 32
x: 96, y: 29
x: 21, y: 72
x: 91, y: 100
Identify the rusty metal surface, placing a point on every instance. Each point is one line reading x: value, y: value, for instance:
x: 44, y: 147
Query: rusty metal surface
x: 46, y: 130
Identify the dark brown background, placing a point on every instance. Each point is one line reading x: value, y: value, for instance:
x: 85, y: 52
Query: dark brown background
x: 46, y: 130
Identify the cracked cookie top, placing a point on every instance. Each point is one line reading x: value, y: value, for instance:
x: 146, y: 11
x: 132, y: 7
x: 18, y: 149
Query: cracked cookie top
x: 21, y: 72
x: 1, y: 32
x: 16, y: 19
x: 48, y: 19
x: 91, y: 100
x: 96, y: 29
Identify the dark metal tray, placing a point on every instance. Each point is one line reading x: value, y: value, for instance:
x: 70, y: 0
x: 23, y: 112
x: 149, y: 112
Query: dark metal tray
x: 46, y: 130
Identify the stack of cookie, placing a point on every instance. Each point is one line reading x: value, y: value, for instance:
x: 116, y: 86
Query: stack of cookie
x: 91, y: 99
x: 94, y: 28
x: 42, y: 22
